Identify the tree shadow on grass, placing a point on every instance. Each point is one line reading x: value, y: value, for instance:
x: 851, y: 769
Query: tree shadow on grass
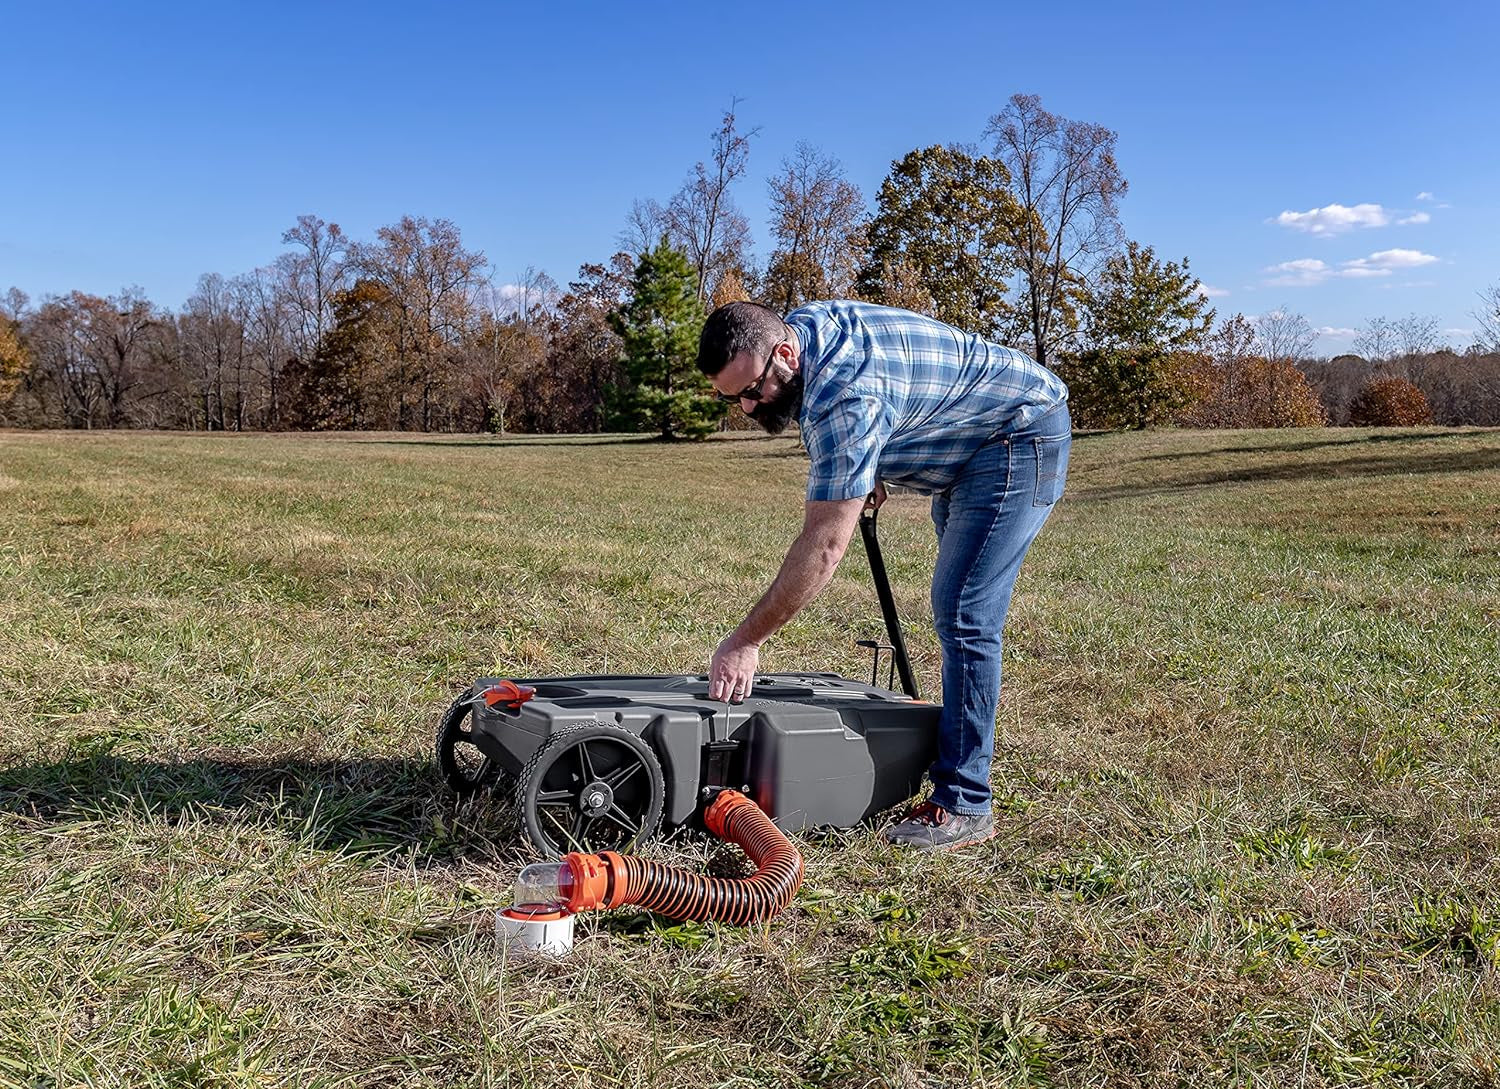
x: 1360, y: 465
x: 523, y: 443
x: 378, y: 804
x: 1345, y: 439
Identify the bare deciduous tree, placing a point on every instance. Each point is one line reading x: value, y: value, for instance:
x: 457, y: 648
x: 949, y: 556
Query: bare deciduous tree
x: 583, y: 357
x: 312, y: 277
x: 818, y: 223
x: 90, y: 355
x: 14, y: 304
x: 1416, y: 333
x: 510, y: 342
x: 1068, y: 184
x: 703, y: 221
x: 268, y: 321
x: 211, y: 341
x: 644, y: 227
x: 1488, y: 316
x: 1283, y: 336
x: 1376, y: 340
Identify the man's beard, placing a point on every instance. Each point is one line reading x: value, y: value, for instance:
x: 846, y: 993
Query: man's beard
x: 775, y: 415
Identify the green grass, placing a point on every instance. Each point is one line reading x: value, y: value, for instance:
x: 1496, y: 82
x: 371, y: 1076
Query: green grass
x: 1246, y: 770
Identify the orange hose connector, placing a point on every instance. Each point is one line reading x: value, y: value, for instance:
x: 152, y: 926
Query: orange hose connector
x: 611, y: 880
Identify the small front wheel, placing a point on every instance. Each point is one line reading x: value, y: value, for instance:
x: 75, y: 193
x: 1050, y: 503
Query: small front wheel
x: 462, y: 764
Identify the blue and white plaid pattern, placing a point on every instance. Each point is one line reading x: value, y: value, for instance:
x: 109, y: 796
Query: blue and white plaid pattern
x: 895, y: 396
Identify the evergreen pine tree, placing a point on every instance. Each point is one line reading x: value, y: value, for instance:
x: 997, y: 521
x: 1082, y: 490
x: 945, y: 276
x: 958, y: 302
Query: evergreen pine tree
x: 663, y: 389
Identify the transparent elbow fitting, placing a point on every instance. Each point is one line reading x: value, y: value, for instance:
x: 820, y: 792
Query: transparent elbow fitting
x: 543, y: 884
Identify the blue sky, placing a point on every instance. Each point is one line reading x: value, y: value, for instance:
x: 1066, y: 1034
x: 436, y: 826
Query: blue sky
x: 1338, y: 159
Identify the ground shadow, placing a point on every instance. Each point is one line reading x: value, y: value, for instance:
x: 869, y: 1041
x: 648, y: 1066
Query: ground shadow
x: 470, y: 443
x: 1312, y: 444
x: 368, y: 804
x: 1359, y: 466
x: 797, y: 451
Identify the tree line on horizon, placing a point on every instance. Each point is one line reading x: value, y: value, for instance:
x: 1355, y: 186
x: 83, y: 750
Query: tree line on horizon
x: 1022, y: 244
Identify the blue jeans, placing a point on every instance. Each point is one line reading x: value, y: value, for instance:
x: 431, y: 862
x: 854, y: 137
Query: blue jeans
x: 985, y: 522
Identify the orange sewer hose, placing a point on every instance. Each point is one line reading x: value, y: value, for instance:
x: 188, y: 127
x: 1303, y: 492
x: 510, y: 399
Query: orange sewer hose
x: 610, y: 880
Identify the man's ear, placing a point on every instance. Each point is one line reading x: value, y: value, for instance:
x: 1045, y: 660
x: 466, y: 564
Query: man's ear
x: 794, y: 342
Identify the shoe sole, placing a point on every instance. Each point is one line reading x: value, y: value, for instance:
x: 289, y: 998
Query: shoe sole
x: 989, y: 833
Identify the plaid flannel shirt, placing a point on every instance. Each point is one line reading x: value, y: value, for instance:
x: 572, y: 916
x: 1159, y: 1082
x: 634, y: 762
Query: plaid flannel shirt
x: 892, y: 395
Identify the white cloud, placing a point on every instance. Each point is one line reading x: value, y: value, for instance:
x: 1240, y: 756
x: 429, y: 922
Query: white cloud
x: 1424, y: 195
x: 1303, y: 272
x: 1210, y: 292
x: 1458, y: 332
x: 1335, y: 331
x: 1383, y: 262
x: 1415, y: 217
x: 1309, y: 271
x: 508, y: 299
x: 1335, y: 218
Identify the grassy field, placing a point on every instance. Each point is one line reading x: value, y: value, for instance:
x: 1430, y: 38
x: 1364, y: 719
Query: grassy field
x: 1246, y: 774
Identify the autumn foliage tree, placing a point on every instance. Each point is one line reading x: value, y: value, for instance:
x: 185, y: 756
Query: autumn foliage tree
x: 1145, y: 319
x: 1236, y: 382
x: 946, y: 220
x: 13, y: 361
x: 336, y: 388
x: 1390, y: 402
x: 567, y: 393
x: 92, y: 357
x: 1255, y: 392
x: 430, y: 281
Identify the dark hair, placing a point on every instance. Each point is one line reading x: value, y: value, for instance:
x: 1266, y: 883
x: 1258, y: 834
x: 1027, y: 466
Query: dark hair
x: 734, y: 328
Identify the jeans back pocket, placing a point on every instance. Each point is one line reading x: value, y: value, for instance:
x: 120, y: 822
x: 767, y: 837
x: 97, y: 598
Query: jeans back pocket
x: 1051, y: 469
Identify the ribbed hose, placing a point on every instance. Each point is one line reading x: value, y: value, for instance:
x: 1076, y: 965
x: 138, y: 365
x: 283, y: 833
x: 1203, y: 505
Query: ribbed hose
x: 618, y: 879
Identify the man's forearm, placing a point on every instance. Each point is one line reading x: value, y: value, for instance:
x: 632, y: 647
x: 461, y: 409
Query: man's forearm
x: 808, y: 567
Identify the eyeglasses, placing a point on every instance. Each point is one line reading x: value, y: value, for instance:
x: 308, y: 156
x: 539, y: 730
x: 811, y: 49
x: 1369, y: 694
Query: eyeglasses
x: 752, y: 392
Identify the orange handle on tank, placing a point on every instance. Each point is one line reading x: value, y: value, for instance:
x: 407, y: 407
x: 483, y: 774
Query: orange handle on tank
x: 611, y: 880
x: 508, y: 694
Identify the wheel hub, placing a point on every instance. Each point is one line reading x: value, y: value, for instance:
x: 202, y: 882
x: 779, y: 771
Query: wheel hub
x: 596, y: 798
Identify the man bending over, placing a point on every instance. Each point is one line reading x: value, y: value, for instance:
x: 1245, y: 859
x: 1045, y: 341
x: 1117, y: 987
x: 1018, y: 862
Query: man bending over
x: 884, y: 395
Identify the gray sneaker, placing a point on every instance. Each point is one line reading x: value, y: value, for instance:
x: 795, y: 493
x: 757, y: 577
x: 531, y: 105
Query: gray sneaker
x: 927, y: 826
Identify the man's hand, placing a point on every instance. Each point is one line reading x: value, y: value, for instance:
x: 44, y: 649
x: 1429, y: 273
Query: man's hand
x: 827, y: 526
x: 874, y: 500
x: 731, y: 674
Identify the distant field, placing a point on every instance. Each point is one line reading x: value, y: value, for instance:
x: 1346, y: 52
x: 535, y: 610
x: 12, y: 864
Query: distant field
x: 1247, y: 770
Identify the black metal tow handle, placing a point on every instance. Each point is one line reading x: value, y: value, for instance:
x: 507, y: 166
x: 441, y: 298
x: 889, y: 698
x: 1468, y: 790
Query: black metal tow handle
x: 887, y: 603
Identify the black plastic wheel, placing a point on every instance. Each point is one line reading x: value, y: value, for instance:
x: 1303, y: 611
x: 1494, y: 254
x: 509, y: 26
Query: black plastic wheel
x: 460, y: 762
x: 590, y: 788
